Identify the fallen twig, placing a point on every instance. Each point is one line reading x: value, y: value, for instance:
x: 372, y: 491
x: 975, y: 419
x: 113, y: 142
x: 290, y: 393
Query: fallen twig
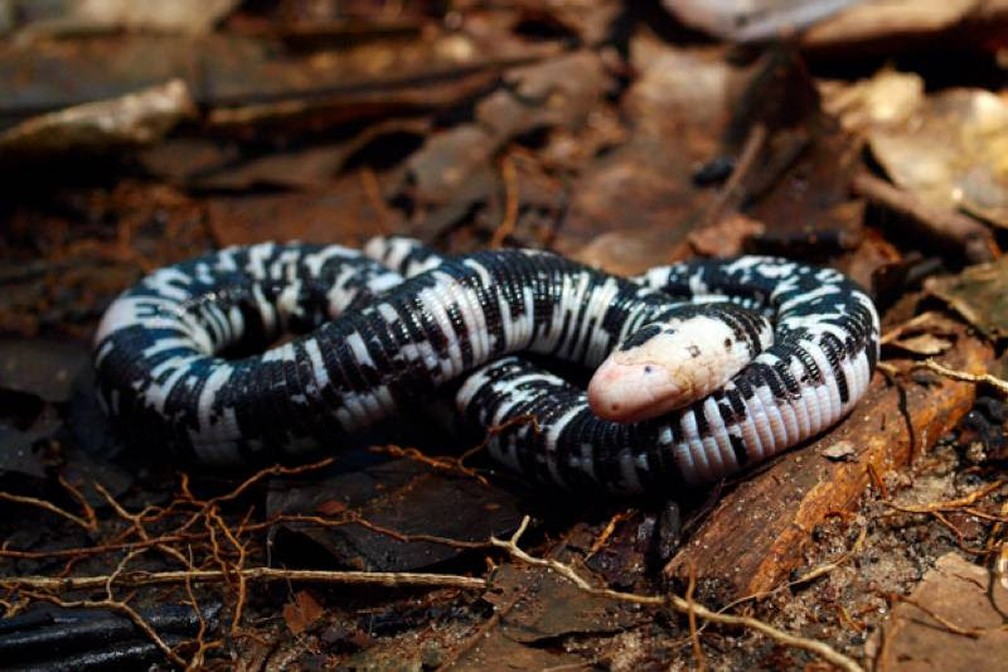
x: 444, y: 464
x: 964, y: 376
x: 972, y: 633
x: 970, y: 236
x: 997, y: 539
x: 951, y: 504
x: 507, y: 226
x: 730, y: 194
x: 88, y: 521
x: 139, y: 578
x: 937, y: 510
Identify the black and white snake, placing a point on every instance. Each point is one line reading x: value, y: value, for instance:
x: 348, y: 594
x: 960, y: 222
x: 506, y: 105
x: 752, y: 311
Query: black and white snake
x: 676, y: 344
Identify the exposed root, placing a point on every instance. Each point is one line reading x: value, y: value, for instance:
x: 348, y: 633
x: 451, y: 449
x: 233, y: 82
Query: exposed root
x: 679, y: 604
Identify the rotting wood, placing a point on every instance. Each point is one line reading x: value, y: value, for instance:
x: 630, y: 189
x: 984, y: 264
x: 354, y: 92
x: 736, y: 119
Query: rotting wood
x: 757, y: 533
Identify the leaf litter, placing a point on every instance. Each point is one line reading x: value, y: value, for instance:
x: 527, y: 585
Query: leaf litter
x: 607, y: 131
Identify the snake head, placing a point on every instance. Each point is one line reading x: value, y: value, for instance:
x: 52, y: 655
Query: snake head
x: 670, y: 364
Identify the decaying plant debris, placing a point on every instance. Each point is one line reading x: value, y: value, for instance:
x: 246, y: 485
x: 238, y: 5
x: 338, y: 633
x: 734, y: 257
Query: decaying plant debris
x: 871, y: 140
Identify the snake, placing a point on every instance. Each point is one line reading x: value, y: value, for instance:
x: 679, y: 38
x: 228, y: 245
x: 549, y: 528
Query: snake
x: 701, y: 368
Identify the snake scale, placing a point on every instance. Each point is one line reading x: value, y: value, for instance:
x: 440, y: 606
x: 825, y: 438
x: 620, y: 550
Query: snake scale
x: 735, y: 390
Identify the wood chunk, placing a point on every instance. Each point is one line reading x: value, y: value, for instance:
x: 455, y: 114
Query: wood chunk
x: 757, y: 533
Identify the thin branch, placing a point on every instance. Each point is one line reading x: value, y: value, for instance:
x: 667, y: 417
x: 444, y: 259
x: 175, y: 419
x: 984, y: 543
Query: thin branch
x: 507, y: 226
x: 136, y: 523
x: 964, y: 376
x: 972, y: 238
x: 87, y: 522
x: 275, y: 470
x: 950, y: 504
x: 1001, y: 564
x: 451, y: 465
x: 701, y: 663
x: 80, y: 551
x: 138, y: 578
x: 972, y: 633
x: 730, y: 194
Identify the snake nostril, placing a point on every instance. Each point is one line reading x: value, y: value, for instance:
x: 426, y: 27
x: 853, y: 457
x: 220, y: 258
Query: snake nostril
x: 648, y: 368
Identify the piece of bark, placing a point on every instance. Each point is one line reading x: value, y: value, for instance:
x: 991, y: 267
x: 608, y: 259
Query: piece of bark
x: 758, y: 532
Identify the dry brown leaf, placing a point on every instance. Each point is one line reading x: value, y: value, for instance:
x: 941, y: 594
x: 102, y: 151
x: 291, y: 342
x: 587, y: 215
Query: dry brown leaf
x: 302, y: 612
x: 979, y: 294
x: 927, y: 334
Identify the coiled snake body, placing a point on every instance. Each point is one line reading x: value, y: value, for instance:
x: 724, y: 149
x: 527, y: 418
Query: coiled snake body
x: 376, y: 342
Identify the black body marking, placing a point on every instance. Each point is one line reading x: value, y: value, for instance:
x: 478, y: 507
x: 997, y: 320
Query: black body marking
x: 380, y: 342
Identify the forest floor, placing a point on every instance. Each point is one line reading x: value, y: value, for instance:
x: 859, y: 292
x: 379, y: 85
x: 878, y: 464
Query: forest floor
x: 874, y: 142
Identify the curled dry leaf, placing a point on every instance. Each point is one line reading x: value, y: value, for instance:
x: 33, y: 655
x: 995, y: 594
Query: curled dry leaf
x: 888, y: 98
x: 886, y: 24
x: 927, y: 334
x: 923, y: 344
x: 302, y: 612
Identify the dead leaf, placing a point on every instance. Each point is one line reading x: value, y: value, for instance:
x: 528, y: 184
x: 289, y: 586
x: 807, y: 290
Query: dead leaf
x: 979, y: 294
x: 43, y: 367
x: 886, y: 21
x: 965, y: 597
x: 342, y: 213
x: 927, y: 334
x: 139, y: 118
x: 454, y: 164
x: 561, y: 91
x: 888, y: 98
x: 396, y: 499
x: 726, y: 237
x: 951, y: 153
x: 331, y: 507
x: 927, y: 345
x: 300, y: 614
